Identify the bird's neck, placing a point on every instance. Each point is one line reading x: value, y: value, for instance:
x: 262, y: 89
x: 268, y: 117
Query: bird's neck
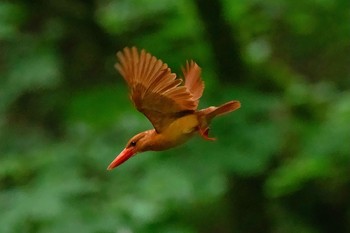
x: 150, y: 141
x: 154, y: 141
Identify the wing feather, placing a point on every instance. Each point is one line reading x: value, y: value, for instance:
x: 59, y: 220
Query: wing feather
x: 193, y: 81
x: 155, y: 91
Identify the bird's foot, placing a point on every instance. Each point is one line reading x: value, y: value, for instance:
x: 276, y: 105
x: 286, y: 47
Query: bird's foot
x: 205, y: 134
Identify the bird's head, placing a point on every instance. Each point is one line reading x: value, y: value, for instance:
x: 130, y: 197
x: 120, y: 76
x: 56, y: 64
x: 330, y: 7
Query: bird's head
x: 136, y: 144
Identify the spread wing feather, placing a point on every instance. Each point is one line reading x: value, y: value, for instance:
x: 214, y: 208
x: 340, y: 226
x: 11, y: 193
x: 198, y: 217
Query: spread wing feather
x: 155, y: 91
x: 193, y: 81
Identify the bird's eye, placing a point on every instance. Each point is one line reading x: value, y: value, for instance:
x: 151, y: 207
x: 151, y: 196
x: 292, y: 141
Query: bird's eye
x: 133, y: 143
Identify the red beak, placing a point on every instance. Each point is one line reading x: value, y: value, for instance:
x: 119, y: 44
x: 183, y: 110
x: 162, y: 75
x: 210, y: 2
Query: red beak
x: 121, y: 158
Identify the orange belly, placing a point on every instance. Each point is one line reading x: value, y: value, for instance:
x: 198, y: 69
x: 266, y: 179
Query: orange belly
x: 178, y: 132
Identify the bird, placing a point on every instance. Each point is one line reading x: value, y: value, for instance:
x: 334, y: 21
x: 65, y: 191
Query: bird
x: 169, y: 103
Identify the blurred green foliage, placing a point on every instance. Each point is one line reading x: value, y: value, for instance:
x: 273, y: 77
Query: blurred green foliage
x: 280, y: 164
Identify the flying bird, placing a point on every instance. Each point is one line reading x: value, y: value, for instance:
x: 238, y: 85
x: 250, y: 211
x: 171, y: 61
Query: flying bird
x: 170, y: 106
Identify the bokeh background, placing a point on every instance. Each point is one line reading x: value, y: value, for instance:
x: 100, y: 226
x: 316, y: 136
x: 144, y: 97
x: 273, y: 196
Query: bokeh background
x: 280, y: 164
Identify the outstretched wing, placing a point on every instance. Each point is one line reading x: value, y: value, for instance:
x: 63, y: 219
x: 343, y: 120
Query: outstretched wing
x: 154, y: 90
x: 193, y: 81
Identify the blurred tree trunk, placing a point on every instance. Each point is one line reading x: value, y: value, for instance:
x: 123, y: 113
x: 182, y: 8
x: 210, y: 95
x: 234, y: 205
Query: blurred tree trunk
x: 225, y: 46
x: 245, y: 195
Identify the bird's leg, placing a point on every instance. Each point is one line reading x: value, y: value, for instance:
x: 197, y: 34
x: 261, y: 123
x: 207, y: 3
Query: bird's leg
x: 204, y: 133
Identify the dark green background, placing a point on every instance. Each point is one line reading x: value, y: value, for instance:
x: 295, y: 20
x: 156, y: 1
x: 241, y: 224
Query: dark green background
x: 280, y: 164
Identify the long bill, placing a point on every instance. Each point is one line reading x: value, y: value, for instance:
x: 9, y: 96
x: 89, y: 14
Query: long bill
x: 121, y: 158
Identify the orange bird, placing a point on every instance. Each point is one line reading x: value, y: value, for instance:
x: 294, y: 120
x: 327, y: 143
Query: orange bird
x: 170, y: 106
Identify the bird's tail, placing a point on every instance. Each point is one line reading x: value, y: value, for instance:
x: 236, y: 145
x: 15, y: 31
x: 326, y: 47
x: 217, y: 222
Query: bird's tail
x: 206, y: 115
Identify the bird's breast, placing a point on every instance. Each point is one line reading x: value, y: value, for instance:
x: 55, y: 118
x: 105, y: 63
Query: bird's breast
x: 183, y: 125
x: 179, y: 131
